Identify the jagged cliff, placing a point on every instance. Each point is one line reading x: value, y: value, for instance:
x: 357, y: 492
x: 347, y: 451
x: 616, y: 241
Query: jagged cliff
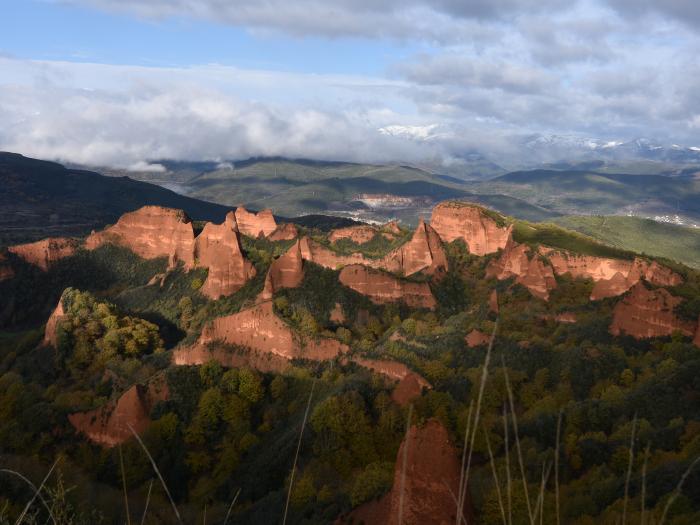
x: 645, y: 313
x: 457, y: 220
x: 382, y: 287
x: 519, y: 261
x: 286, y: 271
x: 50, y: 336
x: 46, y: 252
x: 424, y: 492
x: 259, y: 224
x: 150, y: 232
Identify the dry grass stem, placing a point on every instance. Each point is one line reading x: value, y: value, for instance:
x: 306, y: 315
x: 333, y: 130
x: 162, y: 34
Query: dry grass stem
x: 230, y: 507
x: 556, y: 468
x: 464, y: 459
x: 148, y: 500
x: 403, y: 467
x: 495, y: 478
x: 629, y: 471
x: 677, y: 490
x: 126, y: 496
x: 36, y: 493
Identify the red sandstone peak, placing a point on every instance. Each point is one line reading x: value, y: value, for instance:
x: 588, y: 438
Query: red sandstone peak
x: 285, y: 272
x: 429, y: 477
x: 284, y: 232
x: 6, y: 271
x: 359, y: 234
x: 456, y: 220
x: 109, y: 425
x: 477, y: 338
x: 392, y: 227
x: 259, y: 224
x: 46, y: 252
x: 517, y: 260
x: 319, y: 254
x: 218, y: 248
x: 382, y: 287
x: 259, y: 329
x: 150, y: 232
x: 408, y: 389
x: 423, y: 253
x: 645, y: 313
x: 56, y: 316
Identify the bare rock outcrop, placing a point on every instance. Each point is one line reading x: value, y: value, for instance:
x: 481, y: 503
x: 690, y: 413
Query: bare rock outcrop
x: 284, y: 232
x: 383, y: 288
x: 6, y: 270
x: 391, y: 369
x: 109, y: 425
x: 423, y: 253
x: 493, y: 302
x: 259, y: 329
x: 46, y: 252
x: 150, y: 232
x: 696, y: 340
x: 258, y: 360
x: 359, y: 234
x: 645, y: 313
x: 317, y: 253
x: 408, y: 389
x: 50, y: 335
x: 612, y: 277
x: 476, y: 338
x: 218, y: 248
x: 517, y: 260
x: 337, y: 314
x: 259, y: 224
x: 457, y: 220
x: 432, y: 476
x: 285, y: 272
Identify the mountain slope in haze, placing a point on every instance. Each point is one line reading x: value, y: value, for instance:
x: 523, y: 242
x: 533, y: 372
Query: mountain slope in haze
x: 40, y: 198
x: 640, y: 235
x: 593, y: 193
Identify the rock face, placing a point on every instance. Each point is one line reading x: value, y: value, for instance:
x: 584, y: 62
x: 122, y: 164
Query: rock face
x: 285, y: 272
x: 644, y: 313
x: 337, y: 314
x: 383, y: 288
x: 319, y: 254
x: 6, y: 271
x: 259, y: 329
x: 696, y: 340
x: 423, y: 253
x: 476, y: 338
x: 109, y: 425
x: 493, y: 302
x: 218, y: 248
x: 518, y: 261
x: 432, y: 472
x: 200, y: 354
x: 46, y: 252
x: 259, y: 224
x: 150, y: 232
x: 391, y: 369
x: 50, y: 336
x: 408, y: 389
x: 456, y: 220
x: 359, y: 234
x: 612, y: 276
x: 284, y: 232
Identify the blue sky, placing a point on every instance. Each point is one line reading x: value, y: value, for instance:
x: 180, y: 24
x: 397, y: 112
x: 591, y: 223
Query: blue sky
x: 124, y: 81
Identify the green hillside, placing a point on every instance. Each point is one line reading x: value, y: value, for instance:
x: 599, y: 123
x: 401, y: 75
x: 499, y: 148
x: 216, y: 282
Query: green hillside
x: 640, y: 235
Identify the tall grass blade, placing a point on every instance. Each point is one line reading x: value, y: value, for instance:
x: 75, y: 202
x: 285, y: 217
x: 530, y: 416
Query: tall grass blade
x: 403, y: 467
x: 509, y: 489
x: 629, y: 471
x: 126, y: 496
x: 148, y: 500
x: 514, y: 417
x: 157, y: 471
x: 464, y: 459
x: 677, y: 490
x: 644, y: 484
x: 36, y: 493
x: 495, y: 478
x: 230, y: 507
x: 33, y: 487
x: 296, y: 456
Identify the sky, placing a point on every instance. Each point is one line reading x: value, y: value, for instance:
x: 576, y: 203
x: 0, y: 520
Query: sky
x: 124, y: 82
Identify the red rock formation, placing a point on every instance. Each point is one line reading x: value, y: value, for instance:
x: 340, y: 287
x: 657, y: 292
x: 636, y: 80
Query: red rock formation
x: 477, y: 338
x: 518, y: 261
x: 392, y: 228
x: 383, y: 288
x: 423, y: 253
x: 319, y: 254
x: 218, y: 248
x: 56, y: 316
x: 201, y: 354
x: 285, y: 272
x: 432, y: 474
x: 109, y: 425
x: 259, y: 329
x: 255, y: 224
x: 6, y: 271
x: 566, y: 318
x: 150, y: 232
x: 359, y: 234
x: 612, y: 276
x: 391, y: 369
x: 337, y: 314
x: 46, y: 252
x: 493, y: 302
x: 408, y: 389
x: 696, y: 340
x: 284, y: 232
x: 644, y: 313
x: 458, y: 220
